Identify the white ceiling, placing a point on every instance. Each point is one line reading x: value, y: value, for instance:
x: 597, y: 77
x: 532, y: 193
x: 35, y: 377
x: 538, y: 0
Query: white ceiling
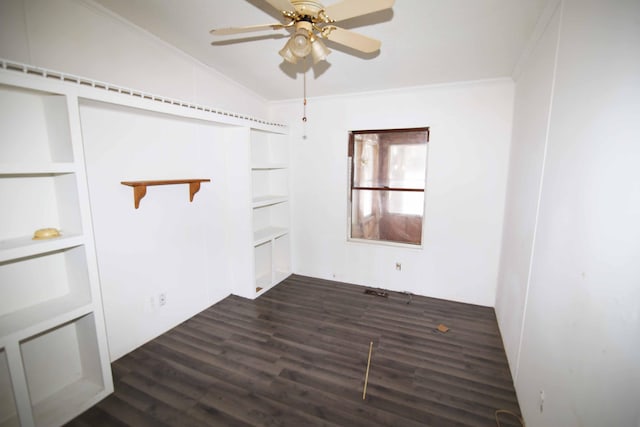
x: 423, y: 42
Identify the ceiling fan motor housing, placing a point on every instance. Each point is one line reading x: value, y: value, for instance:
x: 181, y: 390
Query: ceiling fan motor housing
x: 307, y: 8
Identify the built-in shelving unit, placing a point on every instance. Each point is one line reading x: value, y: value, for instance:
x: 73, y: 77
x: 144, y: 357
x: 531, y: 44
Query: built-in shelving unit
x: 270, y: 205
x: 53, y: 357
x: 54, y: 362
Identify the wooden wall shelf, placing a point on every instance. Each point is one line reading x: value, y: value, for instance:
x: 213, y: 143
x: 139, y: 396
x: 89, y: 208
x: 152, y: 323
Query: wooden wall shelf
x: 140, y: 187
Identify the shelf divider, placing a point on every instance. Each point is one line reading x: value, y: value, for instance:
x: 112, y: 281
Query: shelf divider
x: 140, y: 187
x: 268, y: 233
x: 261, y: 201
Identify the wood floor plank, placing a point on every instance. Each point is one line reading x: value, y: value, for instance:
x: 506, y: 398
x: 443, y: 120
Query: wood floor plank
x: 120, y: 408
x: 296, y: 356
x: 214, y: 417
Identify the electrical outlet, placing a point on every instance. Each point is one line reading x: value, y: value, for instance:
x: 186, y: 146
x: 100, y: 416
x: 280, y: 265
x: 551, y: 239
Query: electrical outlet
x: 398, y: 266
x: 162, y: 299
x: 541, y: 401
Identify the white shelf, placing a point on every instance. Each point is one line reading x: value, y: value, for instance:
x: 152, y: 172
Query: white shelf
x: 267, y: 200
x: 269, y: 166
x: 265, y: 234
x: 37, y: 318
x: 22, y: 247
x: 36, y: 169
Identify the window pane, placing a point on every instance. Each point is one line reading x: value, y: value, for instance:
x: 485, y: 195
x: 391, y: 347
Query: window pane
x: 366, y: 161
x: 407, y: 165
x: 392, y: 160
x: 393, y: 216
x: 405, y: 203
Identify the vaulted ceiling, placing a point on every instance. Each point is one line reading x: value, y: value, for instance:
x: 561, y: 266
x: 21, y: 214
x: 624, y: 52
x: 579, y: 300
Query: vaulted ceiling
x: 423, y: 42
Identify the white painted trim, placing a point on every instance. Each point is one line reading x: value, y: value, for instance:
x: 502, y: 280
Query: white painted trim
x: 397, y: 90
x: 540, y: 190
x: 107, y: 92
x: 540, y: 28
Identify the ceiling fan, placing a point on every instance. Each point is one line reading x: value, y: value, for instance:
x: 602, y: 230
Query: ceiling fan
x: 310, y: 21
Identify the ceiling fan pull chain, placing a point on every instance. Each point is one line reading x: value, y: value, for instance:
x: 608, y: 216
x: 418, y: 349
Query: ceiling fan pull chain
x: 304, y: 102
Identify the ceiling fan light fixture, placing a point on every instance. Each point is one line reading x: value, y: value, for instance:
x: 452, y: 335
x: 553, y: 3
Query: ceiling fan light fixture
x: 319, y: 51
x: 287, y: 54
x: 300, y: 43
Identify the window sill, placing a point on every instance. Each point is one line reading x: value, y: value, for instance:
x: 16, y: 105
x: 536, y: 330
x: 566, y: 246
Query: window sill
x: 384, y: 243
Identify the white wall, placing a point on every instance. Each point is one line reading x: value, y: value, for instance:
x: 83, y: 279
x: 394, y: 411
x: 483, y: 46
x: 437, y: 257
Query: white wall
x: 581, y: 338
x: 168, y: 245
x: 82, y: 38
x: 467, y: 168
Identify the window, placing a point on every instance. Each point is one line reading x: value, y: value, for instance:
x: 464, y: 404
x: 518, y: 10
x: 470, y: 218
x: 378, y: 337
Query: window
x: 387, y: 183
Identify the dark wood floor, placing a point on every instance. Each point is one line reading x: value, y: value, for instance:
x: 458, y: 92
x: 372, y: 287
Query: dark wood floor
x: 297, y: 357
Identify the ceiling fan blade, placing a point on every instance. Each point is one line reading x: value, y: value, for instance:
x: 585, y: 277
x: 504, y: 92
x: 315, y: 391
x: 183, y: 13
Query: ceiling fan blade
x: 282, y: 5
x: 351, y: 8
x: 238, y: 30
x: 354, y: 40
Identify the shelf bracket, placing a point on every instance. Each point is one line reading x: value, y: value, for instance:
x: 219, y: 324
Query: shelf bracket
x: 140, y: 187
x: 194, y: 187
x: 139, y: 191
